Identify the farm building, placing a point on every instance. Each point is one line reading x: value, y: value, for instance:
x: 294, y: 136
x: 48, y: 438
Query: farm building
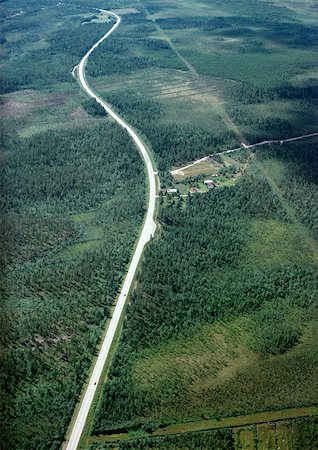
x: 209, y: 183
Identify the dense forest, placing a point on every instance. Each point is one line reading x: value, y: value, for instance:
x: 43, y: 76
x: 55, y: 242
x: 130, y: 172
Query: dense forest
x: 171, y: 143
x: 297, y: 179
x: 228, y: 260
x: 73, y: 202
x: 231, y: 278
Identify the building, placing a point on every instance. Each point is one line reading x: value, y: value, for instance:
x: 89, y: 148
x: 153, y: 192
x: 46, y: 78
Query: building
x: 209, y: 183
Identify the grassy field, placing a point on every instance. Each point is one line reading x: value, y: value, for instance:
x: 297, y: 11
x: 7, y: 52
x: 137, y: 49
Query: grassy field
x: 32, y: 111
x: 223, y: 170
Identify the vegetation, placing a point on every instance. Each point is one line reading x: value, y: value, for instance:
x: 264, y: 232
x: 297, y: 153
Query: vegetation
x: 223, y: 319
x: 73, y: 205
x: 216, y: 439
x: 204, y: 323
x: 171, y: 143
x: 93, y: 108
x: 296, y: 433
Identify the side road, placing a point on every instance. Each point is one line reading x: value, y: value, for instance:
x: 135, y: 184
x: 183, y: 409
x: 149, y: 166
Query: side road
x: 148, y: 230
x: 258, y: 144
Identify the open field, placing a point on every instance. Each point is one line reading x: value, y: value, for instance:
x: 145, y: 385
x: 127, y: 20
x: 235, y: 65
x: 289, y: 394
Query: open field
x: 34, y: 111
x: 222, y: 170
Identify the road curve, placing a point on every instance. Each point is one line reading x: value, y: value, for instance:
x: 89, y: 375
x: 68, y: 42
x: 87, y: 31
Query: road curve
x: 147, y: 232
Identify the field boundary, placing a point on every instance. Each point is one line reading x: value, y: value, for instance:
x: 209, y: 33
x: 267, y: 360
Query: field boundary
x: 212, y: 424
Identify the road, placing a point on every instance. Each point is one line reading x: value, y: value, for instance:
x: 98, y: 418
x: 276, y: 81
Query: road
x: 246, y: 146
x: 147, y: 232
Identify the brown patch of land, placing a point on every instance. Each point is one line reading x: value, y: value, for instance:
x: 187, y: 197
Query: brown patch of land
x: 21, y: 102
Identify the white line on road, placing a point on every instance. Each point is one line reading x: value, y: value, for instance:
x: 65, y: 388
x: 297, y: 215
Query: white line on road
x: 147, y: 232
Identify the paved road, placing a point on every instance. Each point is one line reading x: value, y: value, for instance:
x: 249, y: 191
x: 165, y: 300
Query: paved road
x: 147, y: 232
x: 258, y: 144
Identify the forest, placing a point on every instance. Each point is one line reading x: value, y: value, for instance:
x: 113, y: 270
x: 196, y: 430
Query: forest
x: 229, y: 283
x: 171, y: 143
x: 68, y: 240
x: 225, y: 263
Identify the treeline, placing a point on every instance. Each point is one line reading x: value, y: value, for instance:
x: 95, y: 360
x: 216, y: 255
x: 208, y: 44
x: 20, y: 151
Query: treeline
x: 93, y: 108
x: 72, y: 203
x: 247, y: 93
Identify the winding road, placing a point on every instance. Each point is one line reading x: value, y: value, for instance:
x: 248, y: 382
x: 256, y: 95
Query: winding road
x: 148, y: 230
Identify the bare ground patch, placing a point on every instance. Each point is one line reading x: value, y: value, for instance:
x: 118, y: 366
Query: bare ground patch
x: 22, y: 102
